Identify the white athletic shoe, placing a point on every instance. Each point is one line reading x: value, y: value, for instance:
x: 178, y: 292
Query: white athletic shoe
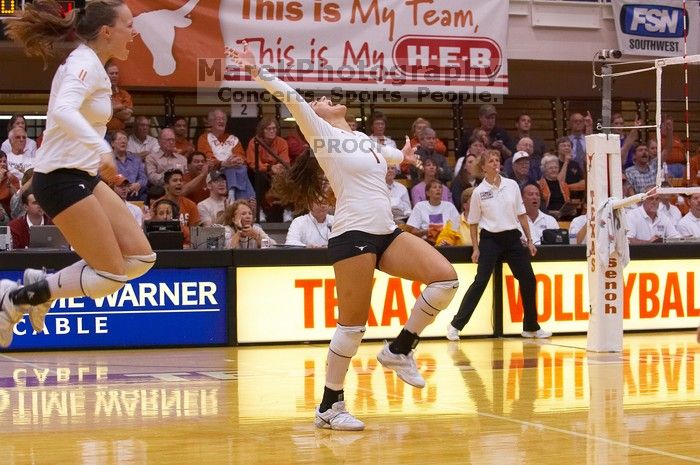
x: 337, y: 418
x: 37, y: 314
x: 403, y: 365
x: 452, y: 333
x: 539, y: 334
x: 8, y: 312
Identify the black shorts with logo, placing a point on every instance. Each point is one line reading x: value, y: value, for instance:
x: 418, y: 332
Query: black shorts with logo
x: 354, y: 243
x: 61, y: 188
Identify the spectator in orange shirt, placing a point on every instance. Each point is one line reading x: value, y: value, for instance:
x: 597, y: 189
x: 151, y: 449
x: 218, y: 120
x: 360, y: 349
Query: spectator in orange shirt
x: 271, y: 148
x: 183, y: 144
x: 228, y: 151
x: 122, y: 104
x: 273, y: 158
x: 418, y: 125
x: 189, y: 214
x: 195, y: 185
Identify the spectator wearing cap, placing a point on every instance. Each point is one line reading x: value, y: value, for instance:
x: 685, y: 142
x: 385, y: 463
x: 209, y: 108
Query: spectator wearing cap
x: 122, y: 104
x: 521, y: 169
x: 525, y: 144
x: 165, y: 159
x: 210, y: 207
x: 130, y: 166
x: 34, y: 216
x: 195, y: 180
x: 500, y: 140
x: 122, y: 187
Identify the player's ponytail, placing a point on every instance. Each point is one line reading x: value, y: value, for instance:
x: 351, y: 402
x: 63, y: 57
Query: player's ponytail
x: 302, y: 184
x: 42, y: 23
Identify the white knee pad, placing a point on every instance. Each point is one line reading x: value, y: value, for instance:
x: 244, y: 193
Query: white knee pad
x: 138, y: 265
x: 346, y: 340
x: 438, y: 295
x: 96, y: 283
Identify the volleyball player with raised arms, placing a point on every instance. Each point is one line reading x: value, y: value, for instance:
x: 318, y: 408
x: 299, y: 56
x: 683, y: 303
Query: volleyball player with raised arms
x: 92, y: 217
x: 364, y: 237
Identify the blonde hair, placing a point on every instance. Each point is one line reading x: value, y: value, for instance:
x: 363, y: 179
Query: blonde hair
x: 42, y: 24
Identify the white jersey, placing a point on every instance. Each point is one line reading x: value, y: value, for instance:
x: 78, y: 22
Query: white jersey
x: 496, y: 209
x: 354, y: 164
x: 306, y: 231
x: 542, y: 222
x: 80, y: 106
x: 689, y: 226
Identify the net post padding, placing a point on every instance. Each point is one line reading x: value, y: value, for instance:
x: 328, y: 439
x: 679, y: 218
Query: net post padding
x: 605, y: 281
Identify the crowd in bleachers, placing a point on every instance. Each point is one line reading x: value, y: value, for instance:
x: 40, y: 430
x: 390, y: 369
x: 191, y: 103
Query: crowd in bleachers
x: 215, y: 180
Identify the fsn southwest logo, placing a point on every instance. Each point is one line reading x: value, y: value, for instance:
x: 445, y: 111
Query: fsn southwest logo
x: 658, y: 21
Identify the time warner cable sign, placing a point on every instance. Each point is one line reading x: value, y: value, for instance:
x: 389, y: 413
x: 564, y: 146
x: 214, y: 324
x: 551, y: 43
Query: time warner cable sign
x: 166, y: 307
x: 657, y: 27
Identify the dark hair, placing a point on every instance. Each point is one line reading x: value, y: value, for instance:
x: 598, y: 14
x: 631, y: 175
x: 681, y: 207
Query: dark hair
x: 3, y: 154
x: 42, y: 23
x: 13, y: 119
x: 302, y: 184
x: 174, y: 207
x: 154, y: 192
x: 170, y: 173
x: 25, y: 196
x: 193, y: 154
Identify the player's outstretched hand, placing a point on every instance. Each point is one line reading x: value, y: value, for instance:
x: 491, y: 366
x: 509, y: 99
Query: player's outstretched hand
x: 409, y: 153
x: 244, y: 58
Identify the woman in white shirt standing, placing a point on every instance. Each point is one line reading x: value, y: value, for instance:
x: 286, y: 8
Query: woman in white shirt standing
x: 66, y: 181
x: 364, y: 237
x: 497, y: 209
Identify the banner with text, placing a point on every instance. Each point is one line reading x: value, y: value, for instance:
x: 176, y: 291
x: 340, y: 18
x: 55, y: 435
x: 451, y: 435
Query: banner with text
x: 657, y: 295
x: 657, y: 28
x: 296, y: 304
x: 375, y: 45
x: 165, y: 307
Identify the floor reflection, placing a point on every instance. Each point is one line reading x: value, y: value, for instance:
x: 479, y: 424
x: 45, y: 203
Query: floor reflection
x: 504, y: 401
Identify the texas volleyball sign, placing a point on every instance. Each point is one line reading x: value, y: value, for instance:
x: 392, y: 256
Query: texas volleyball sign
x: 405, y: 45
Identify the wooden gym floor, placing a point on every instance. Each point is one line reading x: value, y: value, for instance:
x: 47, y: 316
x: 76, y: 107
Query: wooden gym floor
x: 493, y: 401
